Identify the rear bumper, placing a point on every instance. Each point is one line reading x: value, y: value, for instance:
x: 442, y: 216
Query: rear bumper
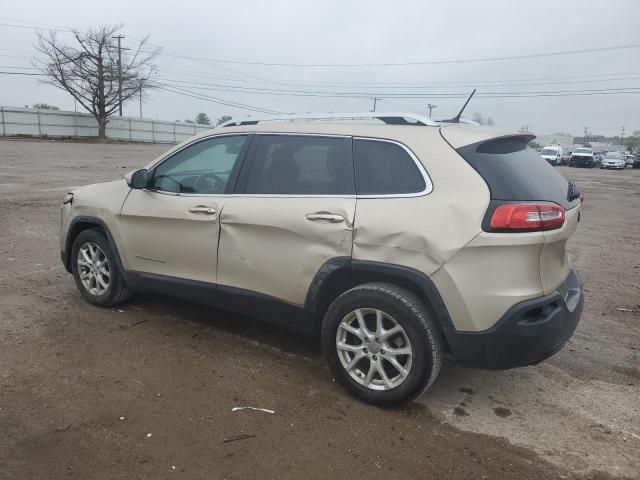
x: 527, y: 333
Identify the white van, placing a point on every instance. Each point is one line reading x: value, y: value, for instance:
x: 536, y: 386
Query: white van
x: 552, y: 154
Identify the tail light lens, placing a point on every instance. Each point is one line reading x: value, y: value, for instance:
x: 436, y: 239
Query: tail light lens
x: 527, y: 217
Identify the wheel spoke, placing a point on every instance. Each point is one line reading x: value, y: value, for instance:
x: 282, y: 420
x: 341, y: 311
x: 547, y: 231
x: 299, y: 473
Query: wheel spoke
x: 356, y: 358
x: 101, y: 281
x: 349, y: 348
x: 86, y: 257
x: 361, y: 324
x: 379, y: 322
x: 386, y: 334
x: 350, y: 329
x: 398, y: 351
x: 384, y: 376
x: 394, y: 362
x: 372, y: 370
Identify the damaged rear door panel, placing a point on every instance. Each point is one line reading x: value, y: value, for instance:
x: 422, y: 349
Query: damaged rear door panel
x: 293, y: 211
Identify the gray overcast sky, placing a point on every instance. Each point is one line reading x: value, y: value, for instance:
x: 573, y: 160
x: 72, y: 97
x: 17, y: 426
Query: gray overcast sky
x: 338, y: 32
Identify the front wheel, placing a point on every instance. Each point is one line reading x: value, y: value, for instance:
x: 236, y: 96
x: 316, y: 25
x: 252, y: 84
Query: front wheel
x: 95, y: 270
x: 381, y: 344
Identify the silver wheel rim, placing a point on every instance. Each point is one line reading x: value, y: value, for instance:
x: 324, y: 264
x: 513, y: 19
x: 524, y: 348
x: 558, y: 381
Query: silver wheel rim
x: 374, y: 349
x: 93, y: 269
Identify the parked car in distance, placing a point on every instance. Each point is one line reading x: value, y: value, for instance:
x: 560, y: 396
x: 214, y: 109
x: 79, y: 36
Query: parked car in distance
x: 636, y: 161
x: 629, y: 158
x: 613, y: 160
x: 259, y: 217
x: 582, y: 157
x: 552, y: 154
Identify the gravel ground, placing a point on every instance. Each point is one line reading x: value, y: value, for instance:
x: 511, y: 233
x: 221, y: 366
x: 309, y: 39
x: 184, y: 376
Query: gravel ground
x: 146, y: 390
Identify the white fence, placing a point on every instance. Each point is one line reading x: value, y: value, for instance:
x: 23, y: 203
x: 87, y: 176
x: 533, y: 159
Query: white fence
x: 57, y: 123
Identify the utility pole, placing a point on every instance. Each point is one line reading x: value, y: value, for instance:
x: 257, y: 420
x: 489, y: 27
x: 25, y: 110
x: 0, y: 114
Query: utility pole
x: 431, y: 107
x: 140, y: 98
x: 375, y: 102
x: 119, y: 37
x: 622, y: 138
x: 586, y: 135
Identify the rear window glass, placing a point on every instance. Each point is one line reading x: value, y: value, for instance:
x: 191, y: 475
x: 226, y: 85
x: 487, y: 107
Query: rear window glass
x: 515, y: 172
x: 384, y: 168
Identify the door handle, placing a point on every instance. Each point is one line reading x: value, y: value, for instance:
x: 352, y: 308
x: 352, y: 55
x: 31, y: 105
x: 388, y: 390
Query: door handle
x: 324, y: 217
x: 203, y: 209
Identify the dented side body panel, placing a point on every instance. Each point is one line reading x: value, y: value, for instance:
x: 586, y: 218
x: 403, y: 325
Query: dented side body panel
x: 268, y: 246
x: 423, y: 232
x: 490, y: 275
x: 162, y: 237
x: 100, y: 200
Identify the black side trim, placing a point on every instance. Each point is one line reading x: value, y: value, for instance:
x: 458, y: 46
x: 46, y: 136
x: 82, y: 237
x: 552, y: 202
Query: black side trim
x: 332, y: 279
x: 75, y: 227
x: 201, y: 292
x: 264, y: 307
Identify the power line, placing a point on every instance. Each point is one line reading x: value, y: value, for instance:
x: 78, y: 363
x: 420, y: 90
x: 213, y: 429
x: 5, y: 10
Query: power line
x: 228, y: 103
x: 399, y: 85
x: 23, y: 73
x: 444, y: 95
x: 406, y: 64
x: 391, y: 84
x: 371, y: 95
x: 358, y: 65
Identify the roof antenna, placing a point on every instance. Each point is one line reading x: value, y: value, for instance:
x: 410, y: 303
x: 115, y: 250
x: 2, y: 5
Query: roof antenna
x: 456, y: 119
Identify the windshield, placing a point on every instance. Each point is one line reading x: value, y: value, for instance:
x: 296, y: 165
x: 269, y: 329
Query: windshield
x: 583, y: 150
x: 548, y: 151
x: 613, y: 156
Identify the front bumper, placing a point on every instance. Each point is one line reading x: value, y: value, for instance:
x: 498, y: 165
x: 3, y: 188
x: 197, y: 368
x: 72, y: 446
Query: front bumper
x: 527, y: 333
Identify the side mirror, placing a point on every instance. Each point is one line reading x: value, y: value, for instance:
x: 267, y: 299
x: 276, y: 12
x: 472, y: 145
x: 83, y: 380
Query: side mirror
x: 139, y: 179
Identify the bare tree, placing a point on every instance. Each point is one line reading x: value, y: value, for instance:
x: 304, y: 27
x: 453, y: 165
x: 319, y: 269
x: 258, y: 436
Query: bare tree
x: 89, y: 69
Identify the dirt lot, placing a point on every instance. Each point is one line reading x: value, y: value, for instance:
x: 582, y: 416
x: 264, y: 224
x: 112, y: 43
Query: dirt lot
x: 146, y: 391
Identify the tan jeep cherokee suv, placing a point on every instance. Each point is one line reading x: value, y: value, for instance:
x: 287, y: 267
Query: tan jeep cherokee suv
x: 395, y: 238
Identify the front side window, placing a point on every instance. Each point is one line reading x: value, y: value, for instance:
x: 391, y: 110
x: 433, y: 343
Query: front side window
x: 385, y: 168
x: 301, y: 165
x: 201, y: 168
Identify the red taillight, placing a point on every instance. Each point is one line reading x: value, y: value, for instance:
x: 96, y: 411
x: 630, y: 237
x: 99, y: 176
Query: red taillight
x: 527, y: 217
x: 581, y: 198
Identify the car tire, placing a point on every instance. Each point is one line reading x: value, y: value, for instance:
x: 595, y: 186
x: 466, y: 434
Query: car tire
x: 396, y: 378
x: 97, y: 275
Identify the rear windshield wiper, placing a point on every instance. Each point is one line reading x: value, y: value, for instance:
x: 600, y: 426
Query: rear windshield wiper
x: 572, y: 192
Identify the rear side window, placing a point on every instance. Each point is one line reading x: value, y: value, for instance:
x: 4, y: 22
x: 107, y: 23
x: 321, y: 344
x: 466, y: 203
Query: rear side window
x: 384, y: 168
x: 515, y: 172
x: 301, y: 165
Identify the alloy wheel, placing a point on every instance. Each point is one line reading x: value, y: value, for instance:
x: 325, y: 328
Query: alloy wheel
x: 374, y: 349
x: 93, y: 268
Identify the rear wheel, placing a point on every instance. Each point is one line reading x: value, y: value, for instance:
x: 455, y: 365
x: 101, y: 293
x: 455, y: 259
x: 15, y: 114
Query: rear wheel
x: 381, y: 344
x: 95, y: 270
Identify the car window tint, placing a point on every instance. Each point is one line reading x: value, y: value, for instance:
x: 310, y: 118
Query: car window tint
x: 301, y: 165
x: 515, y: 172
x: 384, y: 168
x: 203, y: 167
